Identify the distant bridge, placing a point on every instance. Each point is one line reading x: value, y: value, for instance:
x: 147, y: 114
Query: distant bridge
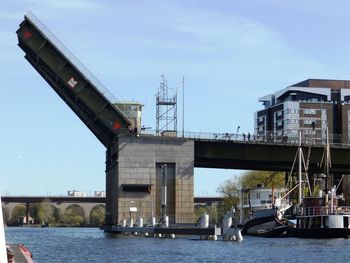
x: 88, y: 199
x: 87, y: 204
x: 63, y: 202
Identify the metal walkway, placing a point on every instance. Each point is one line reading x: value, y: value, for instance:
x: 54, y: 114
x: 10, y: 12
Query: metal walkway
x: 71, y: 80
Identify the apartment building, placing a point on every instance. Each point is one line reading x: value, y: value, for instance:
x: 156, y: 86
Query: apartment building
x: 309, y: 106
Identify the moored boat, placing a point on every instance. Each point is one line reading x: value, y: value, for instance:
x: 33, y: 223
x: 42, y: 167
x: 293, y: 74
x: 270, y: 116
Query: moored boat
x: 265, y: 223
x: 266, y: 207
x: 321, y: 216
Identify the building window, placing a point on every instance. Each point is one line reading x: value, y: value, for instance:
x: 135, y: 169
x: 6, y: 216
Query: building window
x: 292, y: 121
x: 294, y: 111
x: 309, y: 111
x: 308, y: 121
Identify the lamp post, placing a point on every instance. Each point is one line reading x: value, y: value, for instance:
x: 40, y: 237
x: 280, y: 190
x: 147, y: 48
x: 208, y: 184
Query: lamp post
x: 183, y: 106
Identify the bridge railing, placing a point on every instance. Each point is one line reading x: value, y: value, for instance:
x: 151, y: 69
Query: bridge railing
x: 267, y: 137
x: 325, y: 210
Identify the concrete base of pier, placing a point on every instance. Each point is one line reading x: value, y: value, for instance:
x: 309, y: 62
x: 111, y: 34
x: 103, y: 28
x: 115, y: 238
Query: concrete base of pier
x: 182, y: 230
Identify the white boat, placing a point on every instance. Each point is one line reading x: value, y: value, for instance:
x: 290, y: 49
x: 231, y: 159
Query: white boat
x: 266, y: 208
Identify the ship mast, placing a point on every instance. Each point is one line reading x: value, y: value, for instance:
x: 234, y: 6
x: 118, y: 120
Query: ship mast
x: 300, y: 174
x: 299, y: 170
x: 299, y: 156
x: 326, y: 158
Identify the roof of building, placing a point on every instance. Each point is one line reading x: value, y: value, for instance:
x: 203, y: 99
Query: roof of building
x: 128, y: 103
x: 313, y: 90
x: 314, y: 86
x: 324, y: 83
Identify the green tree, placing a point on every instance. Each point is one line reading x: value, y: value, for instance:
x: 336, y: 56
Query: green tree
x: 37, y: 211
x: 56, y: 216
x: 73, y: 216
x: 72, y: 220
x: 18, y: 213
x: 264, y: 178
x: 230, y: 190
x: 97, y: 215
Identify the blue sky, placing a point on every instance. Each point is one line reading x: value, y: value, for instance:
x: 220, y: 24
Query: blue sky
x: 230, y: 52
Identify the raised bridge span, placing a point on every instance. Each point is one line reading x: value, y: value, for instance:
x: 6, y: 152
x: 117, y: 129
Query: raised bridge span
x: 133, y: 163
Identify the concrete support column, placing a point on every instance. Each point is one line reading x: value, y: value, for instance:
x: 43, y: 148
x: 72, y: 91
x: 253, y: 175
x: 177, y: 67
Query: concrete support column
x: 112, y: 184
x: 87, y: 219
x: 27, y: 213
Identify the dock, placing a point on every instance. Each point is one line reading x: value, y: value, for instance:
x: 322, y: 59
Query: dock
x: 177, y: 230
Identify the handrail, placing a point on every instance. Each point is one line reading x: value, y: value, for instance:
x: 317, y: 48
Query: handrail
x: 242, y: 137
x: 324, y: 210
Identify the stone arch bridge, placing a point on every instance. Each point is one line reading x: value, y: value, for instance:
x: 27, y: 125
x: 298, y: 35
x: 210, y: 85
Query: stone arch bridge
x: 87, y: 204
x: 63, y: 202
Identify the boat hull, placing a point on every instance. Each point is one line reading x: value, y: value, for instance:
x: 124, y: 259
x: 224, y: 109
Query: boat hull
x: 319, y: 232
x: 265, y: 227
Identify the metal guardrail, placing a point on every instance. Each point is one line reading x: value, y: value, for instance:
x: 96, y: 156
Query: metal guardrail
x: 324, y: 210
x: 307, y: 139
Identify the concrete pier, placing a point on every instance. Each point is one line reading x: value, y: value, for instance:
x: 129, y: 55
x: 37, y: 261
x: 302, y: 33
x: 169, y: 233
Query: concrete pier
x: 181, y: 230
x: 134, y: 178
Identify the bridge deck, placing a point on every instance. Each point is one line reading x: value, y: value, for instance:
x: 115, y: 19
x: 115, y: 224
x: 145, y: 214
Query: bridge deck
x: 265, y: 156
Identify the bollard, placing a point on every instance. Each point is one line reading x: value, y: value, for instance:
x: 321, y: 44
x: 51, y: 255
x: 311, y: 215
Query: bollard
x: 166, y: 221
x: 131, y: 222
x: 239, y: 236
x: 204, y: 223
x: 154, y: 222
x: 140, y: 222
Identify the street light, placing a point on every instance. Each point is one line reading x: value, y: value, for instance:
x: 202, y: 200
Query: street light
x: 183, y: 106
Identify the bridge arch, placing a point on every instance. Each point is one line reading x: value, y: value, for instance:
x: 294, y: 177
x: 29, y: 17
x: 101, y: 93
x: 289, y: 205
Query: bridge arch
x: 73, y: 214
x: 97, y: 215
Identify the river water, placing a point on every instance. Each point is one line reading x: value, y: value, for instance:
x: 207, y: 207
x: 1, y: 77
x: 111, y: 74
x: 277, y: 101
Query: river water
x: 92, y: 245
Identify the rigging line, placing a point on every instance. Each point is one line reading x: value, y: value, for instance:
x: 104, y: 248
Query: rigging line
x: 291, y: 170
x: 306, y: 171
x: 341, y: 179
x: 290, y: 191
